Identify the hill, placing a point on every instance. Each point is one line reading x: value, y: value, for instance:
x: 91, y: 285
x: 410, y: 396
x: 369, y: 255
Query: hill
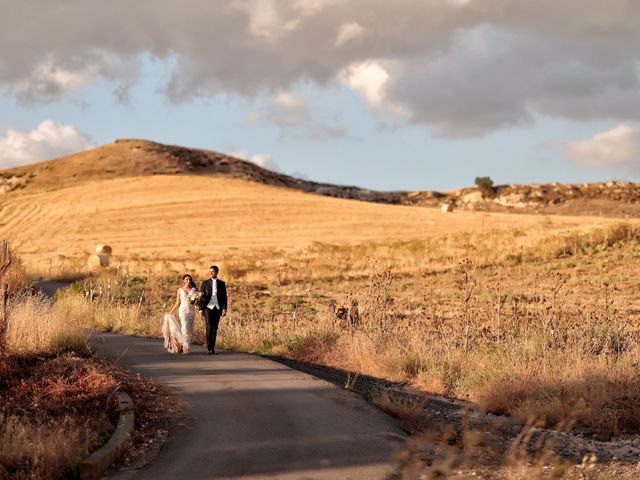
x: 157, y: 219
x: 134, y: 158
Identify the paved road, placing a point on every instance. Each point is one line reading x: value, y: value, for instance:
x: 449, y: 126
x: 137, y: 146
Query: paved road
x: 251, y: 418
x: 49, y: 288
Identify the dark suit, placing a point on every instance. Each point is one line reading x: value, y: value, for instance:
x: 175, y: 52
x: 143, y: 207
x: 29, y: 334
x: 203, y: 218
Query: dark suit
x: 212, y: 315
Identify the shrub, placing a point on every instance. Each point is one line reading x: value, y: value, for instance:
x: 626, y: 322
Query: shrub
x: 485, y: 184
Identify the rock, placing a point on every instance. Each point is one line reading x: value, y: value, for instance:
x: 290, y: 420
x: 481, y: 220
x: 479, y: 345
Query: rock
x: 471, y: 197
x: 514, y: 199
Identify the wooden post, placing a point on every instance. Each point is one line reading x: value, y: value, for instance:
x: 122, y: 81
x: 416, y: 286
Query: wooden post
x: 3, y: 318
x: 5, y: 261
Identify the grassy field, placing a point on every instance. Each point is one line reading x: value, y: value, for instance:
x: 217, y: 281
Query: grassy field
x: 181, y: 222
x: 532, y: 316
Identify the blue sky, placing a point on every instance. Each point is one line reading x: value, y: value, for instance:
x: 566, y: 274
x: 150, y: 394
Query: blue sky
x: 516, y: 95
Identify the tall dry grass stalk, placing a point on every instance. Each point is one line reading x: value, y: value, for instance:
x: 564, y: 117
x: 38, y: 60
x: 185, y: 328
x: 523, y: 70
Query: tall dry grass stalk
x: 38, y: 325
x: 42, y: 448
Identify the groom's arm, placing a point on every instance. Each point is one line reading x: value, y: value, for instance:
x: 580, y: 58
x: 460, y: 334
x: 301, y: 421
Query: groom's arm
x: 202, y: 305
x: 223, y: 297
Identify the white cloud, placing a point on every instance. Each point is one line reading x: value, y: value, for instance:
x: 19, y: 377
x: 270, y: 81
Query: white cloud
x: 293, y: 114
x: 47, y: 141
x: 289, y: 110
x: 371, y: 80
x: 460, y: 67
x: 348, y: 33
x: 265, y: 161
x: 49, y: 81
x: 241, y: 154
x: 52, y: 76
x: 265, y: 21
x: 459, y: 3
x: 312, y: 7
x: 617, y: 148
x: 300, y: 175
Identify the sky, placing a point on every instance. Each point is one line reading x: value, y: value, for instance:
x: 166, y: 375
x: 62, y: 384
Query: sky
x: 402, y: 95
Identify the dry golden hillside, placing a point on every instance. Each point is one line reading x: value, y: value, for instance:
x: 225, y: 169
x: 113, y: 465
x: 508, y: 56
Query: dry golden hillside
x: 185, y: 218
x: 135, y: 158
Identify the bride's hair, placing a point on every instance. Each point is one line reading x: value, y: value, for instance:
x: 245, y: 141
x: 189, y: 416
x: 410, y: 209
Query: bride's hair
x: 192, y: 284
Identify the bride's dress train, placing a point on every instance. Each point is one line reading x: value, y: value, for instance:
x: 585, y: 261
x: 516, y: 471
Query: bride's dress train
x: 172, y: 333
x: 177, y: 333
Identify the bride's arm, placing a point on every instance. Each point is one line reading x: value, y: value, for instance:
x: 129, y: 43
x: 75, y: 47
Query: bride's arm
x: 177, y: 304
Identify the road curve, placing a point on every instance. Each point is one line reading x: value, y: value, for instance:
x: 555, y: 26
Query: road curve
x: 251, y: 418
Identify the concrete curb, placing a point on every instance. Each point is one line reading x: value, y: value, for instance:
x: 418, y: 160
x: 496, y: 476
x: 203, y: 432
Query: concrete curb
x: 100, y: 460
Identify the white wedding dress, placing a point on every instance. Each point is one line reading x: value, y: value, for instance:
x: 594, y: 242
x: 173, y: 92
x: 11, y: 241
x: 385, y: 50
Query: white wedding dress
x: 177, y: 334
x: 187, y: 314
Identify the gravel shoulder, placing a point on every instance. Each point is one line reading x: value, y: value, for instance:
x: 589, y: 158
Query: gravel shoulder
x: 466, y: 439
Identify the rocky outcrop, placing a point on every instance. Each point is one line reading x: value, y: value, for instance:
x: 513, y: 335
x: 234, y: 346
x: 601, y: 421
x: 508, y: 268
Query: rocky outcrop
x: 9, y: 183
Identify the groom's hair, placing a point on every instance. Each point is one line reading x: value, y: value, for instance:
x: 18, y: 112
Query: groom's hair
x: 215, y: 268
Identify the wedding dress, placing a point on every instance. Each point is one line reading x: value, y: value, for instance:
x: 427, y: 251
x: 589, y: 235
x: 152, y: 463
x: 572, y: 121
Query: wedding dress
x: 187, y: 314
x: 177, y: 333
x: 172, y: 333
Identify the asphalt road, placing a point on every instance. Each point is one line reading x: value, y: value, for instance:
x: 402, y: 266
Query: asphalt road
x: 49, y: 288
x: 251, y: 418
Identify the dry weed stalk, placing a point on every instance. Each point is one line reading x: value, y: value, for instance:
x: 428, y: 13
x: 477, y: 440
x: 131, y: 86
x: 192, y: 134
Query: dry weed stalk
x: 36, y: 324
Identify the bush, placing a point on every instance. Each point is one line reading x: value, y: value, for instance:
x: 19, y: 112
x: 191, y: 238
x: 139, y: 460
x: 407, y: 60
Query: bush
x: 485, y: 184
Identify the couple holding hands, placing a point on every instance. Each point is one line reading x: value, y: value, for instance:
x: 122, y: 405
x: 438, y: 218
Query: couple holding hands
x: 211, y: 304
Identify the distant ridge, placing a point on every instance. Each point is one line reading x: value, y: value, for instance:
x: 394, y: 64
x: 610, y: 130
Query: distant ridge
x: 135, y: 157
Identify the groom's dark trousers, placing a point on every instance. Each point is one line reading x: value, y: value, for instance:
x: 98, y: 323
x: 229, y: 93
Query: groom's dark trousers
x: 211, y: 320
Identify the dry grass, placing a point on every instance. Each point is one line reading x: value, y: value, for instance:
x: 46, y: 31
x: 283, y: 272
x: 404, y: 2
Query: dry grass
x: 38, y: 325
x: 42, y: 448
x: 537, y: 339
x: 409, y: 411
x: 54, y: 411
x: 532, y: 316
x: 57, y: 404
x: 144, y: 219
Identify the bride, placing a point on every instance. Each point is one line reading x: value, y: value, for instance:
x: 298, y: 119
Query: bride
x: 178, y: 337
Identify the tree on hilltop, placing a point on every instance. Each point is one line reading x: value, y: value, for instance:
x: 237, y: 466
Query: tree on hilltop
x: 485, y: 184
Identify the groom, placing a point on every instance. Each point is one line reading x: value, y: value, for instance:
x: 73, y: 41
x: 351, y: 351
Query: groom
x: 213, y: 305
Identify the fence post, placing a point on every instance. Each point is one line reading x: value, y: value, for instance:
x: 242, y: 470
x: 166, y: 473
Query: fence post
x: 5, y: 261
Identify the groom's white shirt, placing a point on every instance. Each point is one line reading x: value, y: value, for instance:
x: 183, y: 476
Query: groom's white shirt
x: 213, y: 303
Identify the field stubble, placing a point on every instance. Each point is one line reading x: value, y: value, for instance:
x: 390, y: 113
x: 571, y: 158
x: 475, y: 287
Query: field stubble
x: 159, y: 222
